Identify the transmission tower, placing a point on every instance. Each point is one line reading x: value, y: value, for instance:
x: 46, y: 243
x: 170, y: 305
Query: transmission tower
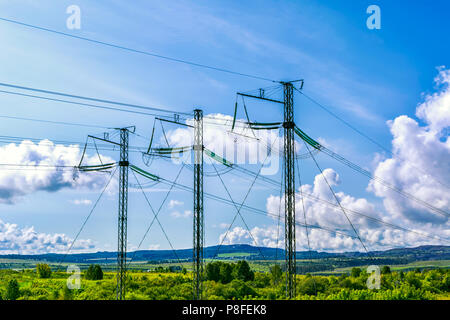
x: 289, y: 188
x: 198, y: 204
x: 289, y: 180
x: 123, y: 208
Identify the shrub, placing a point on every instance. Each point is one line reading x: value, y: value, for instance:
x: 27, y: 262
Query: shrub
x: 94, y: 272
x: 43, y: 270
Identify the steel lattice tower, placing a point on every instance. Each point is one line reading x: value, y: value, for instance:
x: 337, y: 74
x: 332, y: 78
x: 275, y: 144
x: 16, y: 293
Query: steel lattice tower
x: 123, y: 208
x: 289, y: 188
x: 198, y: 205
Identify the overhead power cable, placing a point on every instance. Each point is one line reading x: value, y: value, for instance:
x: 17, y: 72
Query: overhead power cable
x: 147, y: 53
x: 68, y: 95
x: 155, y: 217
x: 249, y: 208
x: 55, y: 122
x: 81, y: 103
x: 275, y: 184
x: 337, y: 200
x: 316, y: 145
x: 87, y: 218
x: 153, y: 177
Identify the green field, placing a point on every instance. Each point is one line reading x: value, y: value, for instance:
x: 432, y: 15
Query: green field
x: 255, y: 282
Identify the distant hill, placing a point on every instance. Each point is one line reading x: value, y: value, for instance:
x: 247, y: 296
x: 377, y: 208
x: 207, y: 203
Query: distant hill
x: 243, y: 251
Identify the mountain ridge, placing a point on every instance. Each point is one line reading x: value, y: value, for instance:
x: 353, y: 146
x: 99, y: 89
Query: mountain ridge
x: 241, y: 251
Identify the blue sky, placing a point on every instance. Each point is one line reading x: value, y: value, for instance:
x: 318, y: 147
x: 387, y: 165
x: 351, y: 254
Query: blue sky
x: 365, y: 76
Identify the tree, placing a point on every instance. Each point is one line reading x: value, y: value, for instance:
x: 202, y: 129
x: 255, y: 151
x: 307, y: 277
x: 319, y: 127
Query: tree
x: 12, y: 292
x: 385, y: 270
x: 213, y: 271
x: 243, y: 272
x: 355, y: 272
x: 226, y: 273
x: 94, y: 272
x: 43, y: 270
x: 276, y: 273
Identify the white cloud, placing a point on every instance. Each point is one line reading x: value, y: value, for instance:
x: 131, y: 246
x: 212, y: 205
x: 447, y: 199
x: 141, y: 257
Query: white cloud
x: 184, y: 214
x: 37, y: 172
x: 334, y: 224
x: 420, y: 163
x: 266, y: 237
x: 174, y: 203
x: 16, y: 240
x: 84, y: 202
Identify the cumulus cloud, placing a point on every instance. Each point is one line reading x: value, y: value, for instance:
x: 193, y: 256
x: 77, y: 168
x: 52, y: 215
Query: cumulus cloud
x: 328, y: 227
x: 420, y: 163
x: 266, y: 237
x: 184, y: 214
x: 16, y: 240
x: 43, y: 167
x: 84, y: 202
x: 174, y: 203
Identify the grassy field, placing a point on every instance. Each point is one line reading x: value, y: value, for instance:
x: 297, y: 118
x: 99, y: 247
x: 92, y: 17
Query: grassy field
x: 432, y: 264
x: 342, y: 284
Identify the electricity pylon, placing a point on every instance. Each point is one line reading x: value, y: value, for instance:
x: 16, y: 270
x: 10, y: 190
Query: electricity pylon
x: 123, y: 204
x: 122, y: 219
x: 198, y: 205
x: 289, y: 188
x: 289, y: 179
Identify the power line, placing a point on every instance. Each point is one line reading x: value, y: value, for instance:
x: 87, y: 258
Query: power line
x: 88, y: 216
x: 147, y: 53
x: 156, y: 217
x: 337, y: 199
x: 80, y: 103
x: 68, y: 95
x: 68, y: 144
x: 328, y: 203
x: 55, y: 122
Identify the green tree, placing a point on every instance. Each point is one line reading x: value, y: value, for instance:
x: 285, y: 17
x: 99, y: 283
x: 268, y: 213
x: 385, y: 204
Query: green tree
x: 226, y: 273
x: 355, y: 272
x: 213, y: 271
x: 243, y: 272
x: 43, y: 270
x: 276, y: 273
x: 12, y: 292
x: 385, y: 270
x: 94, y: 272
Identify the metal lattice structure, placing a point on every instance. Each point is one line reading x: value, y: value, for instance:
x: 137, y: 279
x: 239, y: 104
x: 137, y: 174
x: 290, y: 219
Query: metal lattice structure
x: 122, y: 219
x: 198, y: 205
x: 289, y: 188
